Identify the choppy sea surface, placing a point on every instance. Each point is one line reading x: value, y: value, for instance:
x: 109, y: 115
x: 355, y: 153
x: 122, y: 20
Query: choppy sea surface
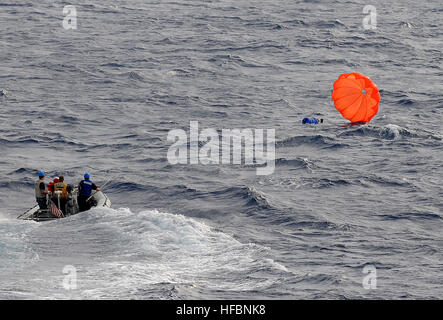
x: 103, y: 97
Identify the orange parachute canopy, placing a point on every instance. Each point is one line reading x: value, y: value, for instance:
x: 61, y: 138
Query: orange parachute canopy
x: 356, y: 97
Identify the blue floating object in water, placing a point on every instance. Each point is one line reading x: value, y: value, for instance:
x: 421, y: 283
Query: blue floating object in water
x: 311, y: 121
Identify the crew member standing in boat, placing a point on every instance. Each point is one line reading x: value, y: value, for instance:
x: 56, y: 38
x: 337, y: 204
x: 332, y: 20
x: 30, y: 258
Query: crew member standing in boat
x: 65, y: 191
x: 40, y: 191
x: 85, y: 188
x: 51, y: 186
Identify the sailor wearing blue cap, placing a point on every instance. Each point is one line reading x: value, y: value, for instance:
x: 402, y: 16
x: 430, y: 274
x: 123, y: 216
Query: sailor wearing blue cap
x: 40, y: 191
x: 85, y: 188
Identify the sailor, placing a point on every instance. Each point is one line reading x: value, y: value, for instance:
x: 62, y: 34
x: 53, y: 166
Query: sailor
x: 40, y: 191
x: 85, y: 188
x: 51, y: 185
x: 65, y: 190
x: 52, y: 190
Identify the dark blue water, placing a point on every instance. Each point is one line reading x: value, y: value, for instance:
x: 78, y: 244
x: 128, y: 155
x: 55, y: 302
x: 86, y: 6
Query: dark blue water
x: 103, y: 98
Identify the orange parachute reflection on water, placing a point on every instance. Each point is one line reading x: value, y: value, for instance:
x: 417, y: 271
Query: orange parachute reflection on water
x: 356, y: 97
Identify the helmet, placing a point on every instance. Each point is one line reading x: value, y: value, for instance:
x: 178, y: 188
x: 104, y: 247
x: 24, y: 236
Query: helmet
x: 87, y: 176
x: 41, y: 174
x: 55, y: 179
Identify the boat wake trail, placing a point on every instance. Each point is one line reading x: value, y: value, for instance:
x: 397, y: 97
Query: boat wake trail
x: 119, y: 253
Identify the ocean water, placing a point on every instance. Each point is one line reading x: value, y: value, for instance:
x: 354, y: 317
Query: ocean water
x: 102, y: 98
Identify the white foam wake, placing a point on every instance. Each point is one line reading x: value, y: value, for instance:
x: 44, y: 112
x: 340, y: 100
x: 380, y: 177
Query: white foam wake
x: 164, y: 248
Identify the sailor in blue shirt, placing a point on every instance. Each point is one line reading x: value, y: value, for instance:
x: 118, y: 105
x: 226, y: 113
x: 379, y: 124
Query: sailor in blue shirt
x: 85, y: 188
x: 41, y: 191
